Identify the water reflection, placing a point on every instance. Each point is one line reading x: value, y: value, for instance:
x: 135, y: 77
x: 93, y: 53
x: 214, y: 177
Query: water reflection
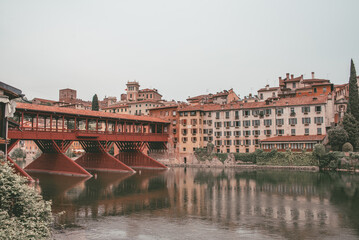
x: 279, y: 204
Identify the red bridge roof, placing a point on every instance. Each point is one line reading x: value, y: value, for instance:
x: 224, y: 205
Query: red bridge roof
x: 87, y: 113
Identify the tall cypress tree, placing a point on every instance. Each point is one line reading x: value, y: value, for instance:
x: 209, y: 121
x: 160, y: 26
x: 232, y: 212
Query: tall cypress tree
x: 353, y: 104
x: 95, y: 106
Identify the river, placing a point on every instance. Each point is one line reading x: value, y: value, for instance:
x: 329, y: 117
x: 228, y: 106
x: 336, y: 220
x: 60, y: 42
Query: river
x: 204, y: 203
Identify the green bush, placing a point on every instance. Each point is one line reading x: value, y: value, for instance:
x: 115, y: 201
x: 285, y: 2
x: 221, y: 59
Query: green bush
x: 347, y: 147
x: 318, y: 151
x: 277, y: 158
x: 18, y: 153
x: 23, y: 212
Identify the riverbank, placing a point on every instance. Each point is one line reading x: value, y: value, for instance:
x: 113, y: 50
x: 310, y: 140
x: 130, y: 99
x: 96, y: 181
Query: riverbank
x: 248, y: 166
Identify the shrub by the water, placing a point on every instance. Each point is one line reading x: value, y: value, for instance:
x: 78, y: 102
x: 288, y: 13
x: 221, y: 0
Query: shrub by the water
x: 23, y: 212
x: 347, y: 147
x: 277, y: 158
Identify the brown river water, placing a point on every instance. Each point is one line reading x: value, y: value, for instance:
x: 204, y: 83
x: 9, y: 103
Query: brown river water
x: 204, y: 203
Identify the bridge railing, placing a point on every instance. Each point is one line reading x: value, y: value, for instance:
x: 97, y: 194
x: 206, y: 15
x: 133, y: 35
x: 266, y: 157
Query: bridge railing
x: 78, y: 131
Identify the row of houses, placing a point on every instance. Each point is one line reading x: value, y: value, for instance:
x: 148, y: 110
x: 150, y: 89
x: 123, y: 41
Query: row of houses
x: 295, y: 115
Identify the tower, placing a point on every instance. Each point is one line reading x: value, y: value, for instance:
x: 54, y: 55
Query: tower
x: 132, y: 90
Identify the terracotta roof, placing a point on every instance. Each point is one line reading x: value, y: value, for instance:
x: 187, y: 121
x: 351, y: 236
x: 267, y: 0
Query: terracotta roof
x: 144, y: 101
x: 315, y: 80
x: 88, y: 113
x: 297, y: 79
x: 268, y: 89
x: 283, y: 102
x: 44, y: 100
x: 164, y: 107
x: 148, y: 90
x: 300, y: 138
x: 116, y: 106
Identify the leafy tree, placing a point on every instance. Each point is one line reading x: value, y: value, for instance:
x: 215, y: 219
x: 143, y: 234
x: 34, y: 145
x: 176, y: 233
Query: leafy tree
x: 337, y: 137
x: 23, y: 212
x: 347, y: 147
x: 318, y: 151
x: 18, y: 153
x: 351, y: 126
x: 353, y: 105
x: 95, y: 106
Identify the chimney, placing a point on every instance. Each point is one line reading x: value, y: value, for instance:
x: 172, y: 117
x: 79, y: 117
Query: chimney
x: 292, y: 76
x: 313, y: 75
x: 287, y: 76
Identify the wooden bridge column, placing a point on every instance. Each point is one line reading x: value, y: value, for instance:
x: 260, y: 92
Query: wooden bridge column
x: 53, y: 160
x: 97, y: 158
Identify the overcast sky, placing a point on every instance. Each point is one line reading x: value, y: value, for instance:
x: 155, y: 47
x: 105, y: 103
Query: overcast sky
x: 182, y: 48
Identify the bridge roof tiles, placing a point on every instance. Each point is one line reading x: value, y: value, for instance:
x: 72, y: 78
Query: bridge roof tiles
x: 87, y: 113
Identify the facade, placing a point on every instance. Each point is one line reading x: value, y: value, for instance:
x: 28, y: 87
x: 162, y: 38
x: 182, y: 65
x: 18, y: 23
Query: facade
x: 170, y: 114
x: 223, y: 97
x: 240, y: 127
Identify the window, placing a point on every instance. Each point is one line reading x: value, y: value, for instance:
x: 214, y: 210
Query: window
x: 246, y: 123
x: 209, y: 122
x: 255, y: 141
x: 279, y: 111
x: 318, y: 108
x: 184, y: 149
x: 184, y: 140
x: 305, y: 109
x: 318, y: 120
x: 294, y: 85
x: 228, y: 142
x: 279, y: 121
x: 280, y: 132
x: 236, y: 114
x: 324, y: 89
x: 184, y: 131
x: 246, y: 133
x: 227, y: 133
x: 256, y: 132
x: 306, y: 120
x: 205, y: 131
x: 267, y: 122
x: 315, y: 90
x: 247, y: 142
x: 217, y: 134
x: 193, y: 122
x: 227, y: 115
x: 246, y: 113
x: 174, y: 113
x: 267, y: 132
x: 193, y: 113
x: 306, y: 131
x: 292, y: 131
x: 194, y: 131
x: 185, y: 113
x: 227, y: 124
x: 237, y: 142
x: 194, y: 139
x: 237, y: 124
x: 319, y: 131
x: 210, y: 131
x: 237, y: 133
x: 255, y: 112
x: 218, y: 124
x: 255, y: 123
x: 174, y: 131
x: 218, y: 142
x: 217, y: 115
x: 292, y: 121
x: 268, y: 111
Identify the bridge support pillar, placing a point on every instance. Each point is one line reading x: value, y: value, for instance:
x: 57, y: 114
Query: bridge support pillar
x: 137, y: 159
x: 97, y: 158
x: 53, y: 160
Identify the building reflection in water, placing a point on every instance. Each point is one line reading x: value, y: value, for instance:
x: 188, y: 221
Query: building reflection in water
x: 284, y: 203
